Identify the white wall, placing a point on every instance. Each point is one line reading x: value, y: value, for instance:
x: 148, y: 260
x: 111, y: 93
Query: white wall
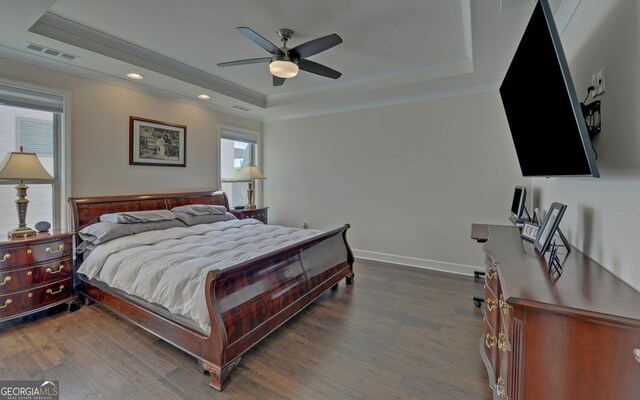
x: 601, y: 218
x: 100, y: 126
x: 410, y: 178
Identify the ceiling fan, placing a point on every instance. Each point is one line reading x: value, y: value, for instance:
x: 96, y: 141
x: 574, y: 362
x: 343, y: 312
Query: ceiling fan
x: 284, y: 62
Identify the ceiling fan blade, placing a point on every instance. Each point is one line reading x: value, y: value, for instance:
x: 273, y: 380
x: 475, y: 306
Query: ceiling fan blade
x: 259, y: 40
x: 278, y: 81
x: 318, y: 69
x: 245, y: 62
x: 315, y: 46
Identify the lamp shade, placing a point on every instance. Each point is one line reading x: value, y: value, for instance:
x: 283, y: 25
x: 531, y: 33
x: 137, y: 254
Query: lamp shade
x: 23, y: 166
x: 250, y: 172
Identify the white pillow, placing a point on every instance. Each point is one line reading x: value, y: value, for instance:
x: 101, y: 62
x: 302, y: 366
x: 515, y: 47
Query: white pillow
x: 135, y: 217
x: 190, y: 219
x: 102, y: 232
x: 201, y: 209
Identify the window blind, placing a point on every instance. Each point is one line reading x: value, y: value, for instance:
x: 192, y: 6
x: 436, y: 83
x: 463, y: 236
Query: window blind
x: 35, y: 136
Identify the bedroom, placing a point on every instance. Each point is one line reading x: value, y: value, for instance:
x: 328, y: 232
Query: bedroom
x: 410, y: 158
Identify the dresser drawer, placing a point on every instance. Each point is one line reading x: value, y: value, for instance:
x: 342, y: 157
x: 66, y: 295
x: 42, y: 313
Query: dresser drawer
x: 500, y: 388
x: 34, y: 275
x: 28, y: 300
x: 491, y: 275
x: 491, y: 345
x: 491, y: 308
x: 504, y: 349
x: 41, y: 251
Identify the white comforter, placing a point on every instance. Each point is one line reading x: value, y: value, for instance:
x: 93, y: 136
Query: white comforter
x: 169, y: 267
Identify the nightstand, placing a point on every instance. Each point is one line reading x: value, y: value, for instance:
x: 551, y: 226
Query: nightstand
x: 36, y: 273
x: 260, y: 213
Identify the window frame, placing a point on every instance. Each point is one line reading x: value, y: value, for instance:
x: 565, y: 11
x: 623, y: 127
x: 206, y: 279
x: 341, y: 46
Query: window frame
x: 62, y: 189
x: 240, y: 134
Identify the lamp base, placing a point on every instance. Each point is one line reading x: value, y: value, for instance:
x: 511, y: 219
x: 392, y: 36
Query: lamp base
x: 20, y: 232
x: 250, y: 205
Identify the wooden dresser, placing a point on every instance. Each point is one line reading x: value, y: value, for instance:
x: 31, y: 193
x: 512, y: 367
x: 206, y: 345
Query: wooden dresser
x: 576, y: 336
x: 35, y: 274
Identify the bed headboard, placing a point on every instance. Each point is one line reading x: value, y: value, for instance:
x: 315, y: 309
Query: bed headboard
x: 87, y: 210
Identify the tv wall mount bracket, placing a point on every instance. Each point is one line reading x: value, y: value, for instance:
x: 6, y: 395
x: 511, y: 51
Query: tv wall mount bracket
x: 591, y: 113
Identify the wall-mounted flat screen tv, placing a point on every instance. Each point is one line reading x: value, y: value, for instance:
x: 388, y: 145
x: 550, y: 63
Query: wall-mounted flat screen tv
x: 544, y: 115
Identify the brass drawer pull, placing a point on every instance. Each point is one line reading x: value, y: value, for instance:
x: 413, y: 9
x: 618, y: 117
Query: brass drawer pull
x: 48, y: 249
x: 491, y: 305
x: 5, y: 280
x: 51, y: 272
x: 5, y: 258
x: 6, y: 303
x: 490, y: 341
x: 503, y: 304
x: 491, y: 273
x: 49, y: 291
x: 500, y: 389
x: 502, y: 342
x: 636, y: 354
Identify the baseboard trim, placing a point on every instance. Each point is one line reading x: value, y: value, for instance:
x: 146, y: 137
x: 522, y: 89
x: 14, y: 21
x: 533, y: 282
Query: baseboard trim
x: 460, y: 269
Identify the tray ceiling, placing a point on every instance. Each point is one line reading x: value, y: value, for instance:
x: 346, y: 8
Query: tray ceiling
x: 388, y: 49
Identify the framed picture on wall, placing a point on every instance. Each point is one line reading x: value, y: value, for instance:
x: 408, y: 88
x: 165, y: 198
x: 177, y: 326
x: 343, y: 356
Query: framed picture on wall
x: 157, y: 143
x: 549, y: 227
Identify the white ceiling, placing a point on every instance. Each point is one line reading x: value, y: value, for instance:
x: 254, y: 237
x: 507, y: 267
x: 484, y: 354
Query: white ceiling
x: 392, y: 51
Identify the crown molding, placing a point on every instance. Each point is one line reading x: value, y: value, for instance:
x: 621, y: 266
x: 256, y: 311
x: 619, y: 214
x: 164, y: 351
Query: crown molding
x: 67, y: 31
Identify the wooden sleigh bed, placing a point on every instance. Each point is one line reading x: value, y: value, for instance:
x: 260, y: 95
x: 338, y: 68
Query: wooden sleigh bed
x: 291, y: 278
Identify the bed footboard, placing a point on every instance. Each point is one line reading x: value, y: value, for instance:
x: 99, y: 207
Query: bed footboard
x: 252, y: 299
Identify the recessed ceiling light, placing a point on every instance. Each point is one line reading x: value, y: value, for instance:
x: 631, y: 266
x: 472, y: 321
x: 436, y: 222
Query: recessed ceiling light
x: 133, y: 75
x: 204, y: 97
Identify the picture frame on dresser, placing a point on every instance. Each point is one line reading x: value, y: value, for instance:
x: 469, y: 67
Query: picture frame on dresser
x: 549, y: 227
x: 530, y: 231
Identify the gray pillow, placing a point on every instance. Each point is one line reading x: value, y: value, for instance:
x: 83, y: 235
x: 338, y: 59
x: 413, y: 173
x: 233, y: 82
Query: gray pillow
x: 190, y: 219
x: 102, y: 232
x: 135, y: 217
x: 201, y: 209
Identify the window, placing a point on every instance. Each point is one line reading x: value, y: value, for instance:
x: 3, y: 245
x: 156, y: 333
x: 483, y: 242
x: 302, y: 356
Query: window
x: 33, y: 120
x: 238, y: 148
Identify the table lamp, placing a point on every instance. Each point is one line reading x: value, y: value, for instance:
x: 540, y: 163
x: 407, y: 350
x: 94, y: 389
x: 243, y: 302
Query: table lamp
x: 21, y: 166
x: 250, y: 173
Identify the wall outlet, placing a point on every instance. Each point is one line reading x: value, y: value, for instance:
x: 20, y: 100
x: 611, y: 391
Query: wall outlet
x: 600, y: 82
x: 594, y: 83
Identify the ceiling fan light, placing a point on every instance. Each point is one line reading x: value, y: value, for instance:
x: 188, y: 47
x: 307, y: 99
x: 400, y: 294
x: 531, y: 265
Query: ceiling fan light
x: 283, y: 69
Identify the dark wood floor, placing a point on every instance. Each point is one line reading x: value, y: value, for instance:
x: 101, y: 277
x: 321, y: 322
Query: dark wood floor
x: 397, y: 333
